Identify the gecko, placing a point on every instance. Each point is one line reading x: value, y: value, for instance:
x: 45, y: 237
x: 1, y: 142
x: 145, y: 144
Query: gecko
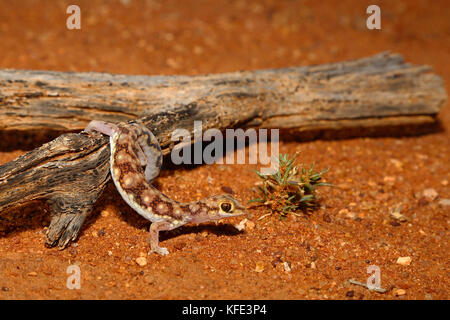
x: 135, y: 161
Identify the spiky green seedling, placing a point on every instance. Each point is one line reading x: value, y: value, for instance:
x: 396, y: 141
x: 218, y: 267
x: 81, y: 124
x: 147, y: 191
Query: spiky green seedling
x: 291, y: 188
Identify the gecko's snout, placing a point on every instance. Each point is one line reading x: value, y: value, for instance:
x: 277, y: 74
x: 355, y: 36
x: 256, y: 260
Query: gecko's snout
x: 240, y: 206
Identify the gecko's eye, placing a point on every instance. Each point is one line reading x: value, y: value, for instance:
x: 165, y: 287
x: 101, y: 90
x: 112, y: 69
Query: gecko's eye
x: 226, y: 207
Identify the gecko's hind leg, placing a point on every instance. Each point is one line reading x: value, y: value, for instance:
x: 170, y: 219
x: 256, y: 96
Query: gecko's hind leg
x: 151, y: 150
x: 103, y: 127
x: 141, y: 155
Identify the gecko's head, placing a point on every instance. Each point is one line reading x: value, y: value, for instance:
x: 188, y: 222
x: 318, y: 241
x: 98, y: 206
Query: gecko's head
x: 223, y: 206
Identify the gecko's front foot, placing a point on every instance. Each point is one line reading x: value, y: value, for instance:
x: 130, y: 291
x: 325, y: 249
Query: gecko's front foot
x: 159, y: 250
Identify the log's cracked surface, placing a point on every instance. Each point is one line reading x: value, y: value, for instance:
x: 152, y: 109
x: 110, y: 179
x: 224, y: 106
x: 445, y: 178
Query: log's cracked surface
x: 71, y: 171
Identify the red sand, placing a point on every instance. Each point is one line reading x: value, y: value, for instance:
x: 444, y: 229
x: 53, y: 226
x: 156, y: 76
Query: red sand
x: 215, y: 262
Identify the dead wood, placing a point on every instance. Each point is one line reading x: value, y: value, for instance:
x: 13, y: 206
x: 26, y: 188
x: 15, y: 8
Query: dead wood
x: 71, y: 171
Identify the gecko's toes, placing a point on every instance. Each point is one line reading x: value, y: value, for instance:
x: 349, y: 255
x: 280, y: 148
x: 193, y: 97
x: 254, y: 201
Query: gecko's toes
x: 159, y: 250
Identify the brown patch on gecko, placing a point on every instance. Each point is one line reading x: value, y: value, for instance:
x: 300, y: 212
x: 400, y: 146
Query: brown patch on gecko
x: 124, y: 130
x: 126, y: 167
x: 196, y: 208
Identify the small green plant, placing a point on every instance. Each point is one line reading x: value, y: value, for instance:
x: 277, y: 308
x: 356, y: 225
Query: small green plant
x: 291, y: 188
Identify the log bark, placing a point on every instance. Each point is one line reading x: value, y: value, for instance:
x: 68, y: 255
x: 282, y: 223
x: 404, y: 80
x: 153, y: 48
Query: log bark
x: 71, y: 171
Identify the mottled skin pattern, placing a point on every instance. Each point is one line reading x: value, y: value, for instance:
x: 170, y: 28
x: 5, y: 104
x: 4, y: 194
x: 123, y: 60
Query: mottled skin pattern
x: 134, y: 147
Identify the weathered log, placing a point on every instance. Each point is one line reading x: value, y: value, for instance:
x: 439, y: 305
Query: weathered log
x: 71, y: 171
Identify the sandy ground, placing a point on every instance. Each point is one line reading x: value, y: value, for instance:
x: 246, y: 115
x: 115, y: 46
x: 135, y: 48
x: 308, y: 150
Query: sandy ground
x: 351, y: 230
